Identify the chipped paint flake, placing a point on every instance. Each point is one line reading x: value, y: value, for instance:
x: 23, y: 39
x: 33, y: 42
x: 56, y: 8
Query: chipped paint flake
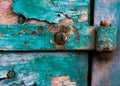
x: 53, y: 11
x: 62, y: 81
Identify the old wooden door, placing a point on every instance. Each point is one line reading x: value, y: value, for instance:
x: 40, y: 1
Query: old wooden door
x: 48, y: 42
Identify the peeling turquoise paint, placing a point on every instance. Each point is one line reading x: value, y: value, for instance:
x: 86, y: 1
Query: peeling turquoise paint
x: 106, y: 38
x: 53, y: 11
x: 41, y: 67
x: 86, y: 39
x: 30, y: 37
x: 25, y: 37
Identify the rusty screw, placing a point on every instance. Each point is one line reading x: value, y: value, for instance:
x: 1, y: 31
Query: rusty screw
x: 60, y: 38
x: 10, y: 75
x: 105, y: 23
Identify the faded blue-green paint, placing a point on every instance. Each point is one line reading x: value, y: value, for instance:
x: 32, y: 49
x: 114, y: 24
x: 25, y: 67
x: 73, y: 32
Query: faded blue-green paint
x: 31, y: 37
x: 106, y: 38
x: 25, y: 37
x: 41, y: 67
x: 86, y: 39
x: 53, y: 11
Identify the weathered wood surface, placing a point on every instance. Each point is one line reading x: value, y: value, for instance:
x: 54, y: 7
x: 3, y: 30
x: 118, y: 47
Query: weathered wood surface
x: 41, y: 37
x: 106, y: 67
x: 78, y: 20
x: 45, y: 68
x: 6, y: 14
x: 53, y: 11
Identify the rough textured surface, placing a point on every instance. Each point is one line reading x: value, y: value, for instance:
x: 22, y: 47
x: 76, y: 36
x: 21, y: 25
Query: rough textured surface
x: 106, y: 68
x: 41, y: 37
x: 43, y: 67
x: 53, y: 11
x: 62, y: 81
x: 6, y: 14
x: 106, y: 38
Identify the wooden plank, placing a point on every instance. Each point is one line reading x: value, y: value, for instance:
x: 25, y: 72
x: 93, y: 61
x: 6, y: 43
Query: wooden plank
x: 42, y: 37
x: 106, y: 65
x: 44, y: 68
x: 53, y: 11
x: 10, y: 17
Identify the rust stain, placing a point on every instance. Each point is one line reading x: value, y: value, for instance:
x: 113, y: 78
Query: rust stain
x: 109, y: 48
x: 105, y: 48
x: 92, y: 31
x: 41, y: 30
x: 60, y: 47
x: 105, y: 23
x: 56, y: 29
x: 76, y: 34
x: 1, y: 35
x: 34, y: 33
x: 26, y: 30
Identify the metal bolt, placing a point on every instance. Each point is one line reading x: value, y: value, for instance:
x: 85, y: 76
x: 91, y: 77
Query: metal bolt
x: 11, y: 74
x: 105, y: 23
x: 60, y: 38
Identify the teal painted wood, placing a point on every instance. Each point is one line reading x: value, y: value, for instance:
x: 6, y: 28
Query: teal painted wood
x: 32, y: 37
x: 107, y: 72
x: 41, y: 67
x: 106, y: 38
x: 53, y: 11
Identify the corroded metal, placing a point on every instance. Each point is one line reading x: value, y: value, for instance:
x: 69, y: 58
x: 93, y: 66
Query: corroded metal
x: 106, y: 38
x: 60, y: 38
x: 105, y: 23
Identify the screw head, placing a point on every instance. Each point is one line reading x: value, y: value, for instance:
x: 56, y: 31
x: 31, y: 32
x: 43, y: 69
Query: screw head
x: 11, y: 74
x: 60, y: 38
x: 105, y: 23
